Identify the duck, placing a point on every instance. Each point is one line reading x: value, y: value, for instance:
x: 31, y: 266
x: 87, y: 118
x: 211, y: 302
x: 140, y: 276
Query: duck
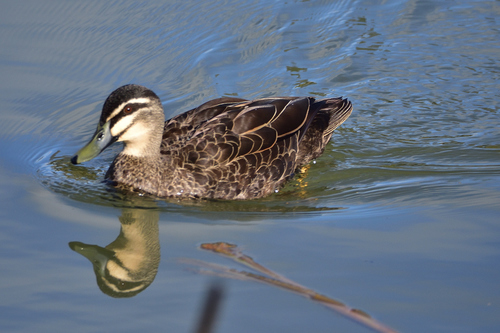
x: 227, y: 148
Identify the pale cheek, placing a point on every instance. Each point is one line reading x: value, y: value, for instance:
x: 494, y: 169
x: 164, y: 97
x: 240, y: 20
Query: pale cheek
x: 137, y: 133
x: 121, y: 125
x: 117, y: 271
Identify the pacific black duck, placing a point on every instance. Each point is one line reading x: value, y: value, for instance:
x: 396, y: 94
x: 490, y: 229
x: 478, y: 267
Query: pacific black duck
x: 227, y: 148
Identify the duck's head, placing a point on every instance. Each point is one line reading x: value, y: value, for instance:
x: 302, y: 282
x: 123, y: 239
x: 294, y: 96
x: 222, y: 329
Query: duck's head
x: 132, y: 114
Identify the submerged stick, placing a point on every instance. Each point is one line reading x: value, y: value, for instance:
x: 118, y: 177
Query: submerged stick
x: 277, y: 280
x: 210, y: 309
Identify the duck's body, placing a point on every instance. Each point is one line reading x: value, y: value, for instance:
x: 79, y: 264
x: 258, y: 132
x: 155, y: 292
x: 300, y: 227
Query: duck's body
x: 227, y: 148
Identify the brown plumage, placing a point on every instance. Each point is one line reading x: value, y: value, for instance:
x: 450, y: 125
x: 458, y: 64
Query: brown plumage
x: 227, y: 148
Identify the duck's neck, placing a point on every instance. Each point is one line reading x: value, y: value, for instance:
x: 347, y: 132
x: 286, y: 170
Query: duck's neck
x: 140, y: 173
x: 146, y: 145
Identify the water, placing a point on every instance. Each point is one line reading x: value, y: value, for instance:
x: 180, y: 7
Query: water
x: 398, y: 218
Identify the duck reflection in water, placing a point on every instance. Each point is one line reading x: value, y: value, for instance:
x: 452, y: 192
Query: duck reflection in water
x: 129, y: 264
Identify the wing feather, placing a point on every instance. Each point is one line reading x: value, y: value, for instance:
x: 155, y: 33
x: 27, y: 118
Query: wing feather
x: 253, y: 118
x: 292, y: 117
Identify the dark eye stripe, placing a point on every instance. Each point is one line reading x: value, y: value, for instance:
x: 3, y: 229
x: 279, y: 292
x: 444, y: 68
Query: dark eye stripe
x: 122, y: 113
x: 133, y: 107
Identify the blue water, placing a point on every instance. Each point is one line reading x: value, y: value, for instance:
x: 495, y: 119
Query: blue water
x: 399, y: 217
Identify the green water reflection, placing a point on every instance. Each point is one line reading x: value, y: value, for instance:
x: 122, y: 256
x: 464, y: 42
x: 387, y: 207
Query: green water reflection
x: 129, y: 264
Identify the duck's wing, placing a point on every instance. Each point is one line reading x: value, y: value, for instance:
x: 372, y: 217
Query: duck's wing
x: 246, y: 127
x: 181, y: 128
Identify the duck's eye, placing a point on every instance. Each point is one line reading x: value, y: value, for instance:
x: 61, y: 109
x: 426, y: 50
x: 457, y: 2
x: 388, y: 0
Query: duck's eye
x: 127, y: 109
x: 100, y: 136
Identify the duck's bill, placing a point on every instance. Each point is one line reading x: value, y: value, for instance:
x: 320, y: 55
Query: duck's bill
x: 102, y: 138
x: 98, y: 256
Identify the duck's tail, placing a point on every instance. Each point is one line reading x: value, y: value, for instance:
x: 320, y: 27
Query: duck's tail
x: 330, y: 114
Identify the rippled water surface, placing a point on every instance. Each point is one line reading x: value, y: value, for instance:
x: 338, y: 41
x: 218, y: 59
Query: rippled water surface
x: 399, y: 217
